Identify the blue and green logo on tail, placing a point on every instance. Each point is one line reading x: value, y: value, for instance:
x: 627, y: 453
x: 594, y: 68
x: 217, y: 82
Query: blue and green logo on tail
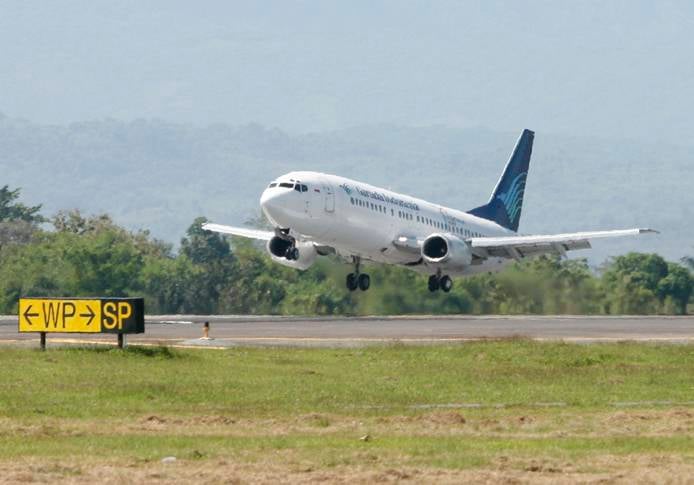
x: 513, y: 197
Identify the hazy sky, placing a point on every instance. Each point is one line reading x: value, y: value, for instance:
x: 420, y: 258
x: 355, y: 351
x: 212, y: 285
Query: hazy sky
x: 610, y: 68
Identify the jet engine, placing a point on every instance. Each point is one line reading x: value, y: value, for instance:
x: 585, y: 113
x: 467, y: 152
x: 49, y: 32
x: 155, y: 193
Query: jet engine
x: 446, y: 250
x: 279, y: 248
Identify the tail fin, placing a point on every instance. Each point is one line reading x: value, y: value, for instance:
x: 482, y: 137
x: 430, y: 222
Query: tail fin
x: 504, y: 206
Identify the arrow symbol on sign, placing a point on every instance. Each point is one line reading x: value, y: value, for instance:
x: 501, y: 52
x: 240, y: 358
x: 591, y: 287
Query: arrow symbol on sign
x: 27, y: 315
x: 91, y: 315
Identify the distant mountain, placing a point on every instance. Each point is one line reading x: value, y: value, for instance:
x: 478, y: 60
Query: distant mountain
x: 158, y: 175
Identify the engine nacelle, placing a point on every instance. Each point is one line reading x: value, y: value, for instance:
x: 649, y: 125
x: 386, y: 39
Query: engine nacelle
x: 277, y: 247
x: 446, y: 250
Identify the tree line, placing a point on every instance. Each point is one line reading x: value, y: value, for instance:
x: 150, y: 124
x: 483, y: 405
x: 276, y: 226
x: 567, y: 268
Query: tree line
x: 71, y: 254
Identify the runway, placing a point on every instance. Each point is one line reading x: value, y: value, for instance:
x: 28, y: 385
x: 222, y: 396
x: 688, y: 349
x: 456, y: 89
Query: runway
x: 229, y: 331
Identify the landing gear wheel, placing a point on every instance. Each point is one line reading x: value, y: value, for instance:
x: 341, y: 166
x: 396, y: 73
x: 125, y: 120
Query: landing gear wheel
x: 292, y: 254
x: 364, y: 282
x: 434, y: 284
x: 446, y: 283
x: 352, y: 282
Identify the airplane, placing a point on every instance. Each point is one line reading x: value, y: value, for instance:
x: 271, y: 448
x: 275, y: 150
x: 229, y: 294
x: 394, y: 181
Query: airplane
x: 316, y: 214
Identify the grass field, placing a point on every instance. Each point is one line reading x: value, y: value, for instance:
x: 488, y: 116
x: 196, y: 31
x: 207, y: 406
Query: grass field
x: 498, y: 411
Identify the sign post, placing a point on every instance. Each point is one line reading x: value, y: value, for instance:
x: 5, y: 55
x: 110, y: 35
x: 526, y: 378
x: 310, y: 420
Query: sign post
x: 82, y: 315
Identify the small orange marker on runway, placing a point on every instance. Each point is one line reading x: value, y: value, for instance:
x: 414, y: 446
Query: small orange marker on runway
x: 206, y: 331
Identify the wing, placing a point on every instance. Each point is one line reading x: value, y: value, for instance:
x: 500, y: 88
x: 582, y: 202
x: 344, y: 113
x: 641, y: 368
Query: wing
x: 522, y: 246
x: 239, y: 231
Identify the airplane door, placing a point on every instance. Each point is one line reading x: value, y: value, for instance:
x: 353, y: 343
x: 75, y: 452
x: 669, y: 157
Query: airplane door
x: 329, y: 198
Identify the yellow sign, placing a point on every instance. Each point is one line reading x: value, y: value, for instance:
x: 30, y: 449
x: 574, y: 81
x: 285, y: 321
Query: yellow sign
x: 59, y: 315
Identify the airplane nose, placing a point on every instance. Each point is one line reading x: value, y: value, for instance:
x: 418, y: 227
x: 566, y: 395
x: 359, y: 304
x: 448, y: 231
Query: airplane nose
x: 276, y: 204
x: 269, y: 200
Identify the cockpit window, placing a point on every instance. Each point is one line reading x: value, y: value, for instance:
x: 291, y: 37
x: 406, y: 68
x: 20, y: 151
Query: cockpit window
x: 297, y: 187
x: 273, y: 184
x: 287, y: 185
x: 304, y: 188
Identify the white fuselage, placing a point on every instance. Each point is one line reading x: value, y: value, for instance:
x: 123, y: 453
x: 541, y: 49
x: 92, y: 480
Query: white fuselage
x: 358, y: 219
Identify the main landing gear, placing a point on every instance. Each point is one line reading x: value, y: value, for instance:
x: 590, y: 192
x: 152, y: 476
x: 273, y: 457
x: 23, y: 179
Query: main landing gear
x: 292, y: 253
x: 438, y: 282
x: 358, y: 280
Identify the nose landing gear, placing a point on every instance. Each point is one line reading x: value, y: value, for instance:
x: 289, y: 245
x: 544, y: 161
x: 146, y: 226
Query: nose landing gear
x: 358, y: 280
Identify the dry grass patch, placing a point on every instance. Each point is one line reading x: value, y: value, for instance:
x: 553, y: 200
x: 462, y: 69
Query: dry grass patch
x: 605, y: 469
x: 489, y: 423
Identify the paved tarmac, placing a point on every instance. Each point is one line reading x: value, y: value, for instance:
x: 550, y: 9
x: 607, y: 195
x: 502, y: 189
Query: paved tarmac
x: 228, y: 331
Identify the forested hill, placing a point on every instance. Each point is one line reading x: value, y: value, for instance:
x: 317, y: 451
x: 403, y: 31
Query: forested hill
x: 158, y: 175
